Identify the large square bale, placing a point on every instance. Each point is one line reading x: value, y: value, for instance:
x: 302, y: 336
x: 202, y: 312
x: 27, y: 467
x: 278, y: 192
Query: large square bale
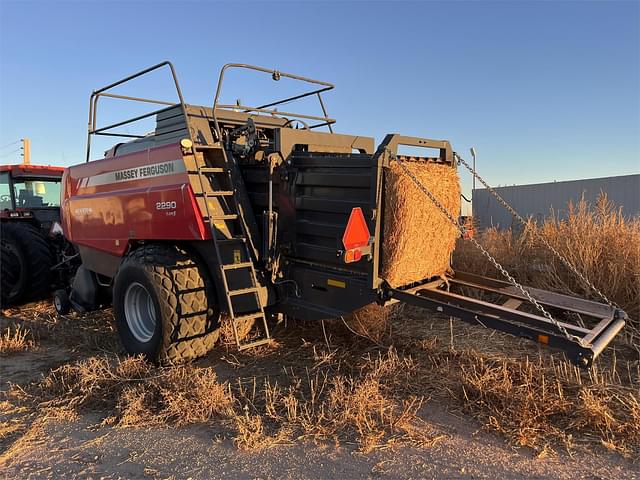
x: 418, y: 239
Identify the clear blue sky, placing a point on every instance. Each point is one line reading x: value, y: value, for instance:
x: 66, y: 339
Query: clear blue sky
x: 544, y: 90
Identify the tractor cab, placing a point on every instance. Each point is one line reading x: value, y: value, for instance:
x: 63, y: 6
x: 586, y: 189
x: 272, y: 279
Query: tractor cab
x: 30, y: 193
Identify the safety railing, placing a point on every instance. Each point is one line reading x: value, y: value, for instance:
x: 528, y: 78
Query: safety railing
x: 107, y: 130
x: 103, y: 92
x: 276, y: 75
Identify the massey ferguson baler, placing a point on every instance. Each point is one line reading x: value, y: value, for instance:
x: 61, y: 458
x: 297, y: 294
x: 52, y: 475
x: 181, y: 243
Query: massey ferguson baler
x: 253, y: 213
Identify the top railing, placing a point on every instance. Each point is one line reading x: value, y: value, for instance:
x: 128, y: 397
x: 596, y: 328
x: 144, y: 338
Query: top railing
x: 276, y: 75
x: 103, y: 92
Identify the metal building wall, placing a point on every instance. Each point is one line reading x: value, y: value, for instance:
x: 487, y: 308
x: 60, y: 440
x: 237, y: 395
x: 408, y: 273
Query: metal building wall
x: 537, y: 200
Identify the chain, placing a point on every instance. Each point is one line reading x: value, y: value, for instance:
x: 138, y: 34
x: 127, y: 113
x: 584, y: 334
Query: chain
x: 495, y: 263
x: 562, y: 258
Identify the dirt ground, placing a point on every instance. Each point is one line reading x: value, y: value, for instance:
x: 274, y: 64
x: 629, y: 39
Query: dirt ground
x: 84, y: 447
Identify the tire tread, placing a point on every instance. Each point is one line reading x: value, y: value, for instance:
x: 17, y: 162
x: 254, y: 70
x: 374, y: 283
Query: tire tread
x: 37, y: 253
x: 189, y: 330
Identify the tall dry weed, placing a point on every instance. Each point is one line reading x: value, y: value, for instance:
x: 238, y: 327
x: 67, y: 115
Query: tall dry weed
x: 542, y: 404
x: 597, y: 239
x: 16, y: 339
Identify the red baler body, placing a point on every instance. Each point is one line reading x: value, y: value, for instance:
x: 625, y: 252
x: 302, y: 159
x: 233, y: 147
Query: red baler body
x: 110, y: 202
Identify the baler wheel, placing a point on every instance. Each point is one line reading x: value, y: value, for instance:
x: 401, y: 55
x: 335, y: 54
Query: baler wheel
x: 61, y: 302
x: 30, y: 262
x: 164, y: 305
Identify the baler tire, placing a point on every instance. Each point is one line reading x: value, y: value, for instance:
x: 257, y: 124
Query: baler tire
x: 34, y: 255
x: 189, y: 324
x: 61, y: 302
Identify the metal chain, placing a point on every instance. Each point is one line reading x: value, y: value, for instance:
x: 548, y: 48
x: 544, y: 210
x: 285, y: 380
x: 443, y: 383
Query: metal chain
x: 500, y: 268
x: 562, y: 258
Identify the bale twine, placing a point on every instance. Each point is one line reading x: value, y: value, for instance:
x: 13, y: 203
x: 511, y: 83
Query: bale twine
x: 418, y: 239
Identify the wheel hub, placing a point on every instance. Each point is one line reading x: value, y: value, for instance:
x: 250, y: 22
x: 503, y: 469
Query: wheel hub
x: 140, y: 312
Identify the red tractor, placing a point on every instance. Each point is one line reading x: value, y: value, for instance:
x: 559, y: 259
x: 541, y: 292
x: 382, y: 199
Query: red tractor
x: 245, y: 211
x: 32, y: 244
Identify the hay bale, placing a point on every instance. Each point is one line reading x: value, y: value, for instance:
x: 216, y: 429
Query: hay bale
x: 418, y: 239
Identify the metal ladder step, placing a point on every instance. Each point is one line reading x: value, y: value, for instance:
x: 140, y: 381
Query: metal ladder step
x: 207, y: 147
x: 223, y: 241
x: 236, y: 266
x: 230, y: 216
x: 243, y: 291
x: 218, y: 193
x: 248, y: 316
x: 212, y: 170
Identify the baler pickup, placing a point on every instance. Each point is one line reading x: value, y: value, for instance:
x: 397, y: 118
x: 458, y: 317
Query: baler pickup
x: 502, y: 308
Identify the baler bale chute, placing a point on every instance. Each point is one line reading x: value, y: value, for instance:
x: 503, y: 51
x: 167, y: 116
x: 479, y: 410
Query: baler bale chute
x: 256, y: 214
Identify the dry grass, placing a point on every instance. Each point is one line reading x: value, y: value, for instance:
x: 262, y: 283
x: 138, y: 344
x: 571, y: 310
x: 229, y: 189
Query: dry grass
x: 418, y: 239
x: 245, y: 328
x: 340, y: 388
x: 536, y: 399
x: 90, y: 332
x: 598, y: 240
x: 16, y: 339
x: 541, y: 405
x: 373, y: 321
x: 254, y: 413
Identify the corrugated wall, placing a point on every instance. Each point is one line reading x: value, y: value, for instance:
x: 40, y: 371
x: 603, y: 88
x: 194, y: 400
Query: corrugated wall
x: 537, y: 200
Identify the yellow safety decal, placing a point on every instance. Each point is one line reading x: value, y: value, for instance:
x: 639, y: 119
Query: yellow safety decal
x: 336, y: 283
x: 237, y: 256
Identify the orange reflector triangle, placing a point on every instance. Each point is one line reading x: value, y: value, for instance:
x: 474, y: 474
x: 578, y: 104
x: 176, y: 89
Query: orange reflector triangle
x: 357, y: 233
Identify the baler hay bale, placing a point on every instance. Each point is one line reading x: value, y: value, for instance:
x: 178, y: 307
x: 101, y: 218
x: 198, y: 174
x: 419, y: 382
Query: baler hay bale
x: 418, y: 238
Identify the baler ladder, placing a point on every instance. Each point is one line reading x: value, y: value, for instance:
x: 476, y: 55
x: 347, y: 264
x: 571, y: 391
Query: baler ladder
x: 241, y: 271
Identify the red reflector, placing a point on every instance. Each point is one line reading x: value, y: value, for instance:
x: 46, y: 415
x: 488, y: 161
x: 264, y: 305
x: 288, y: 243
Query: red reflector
x: 353, y: 255
x: 357, y: 233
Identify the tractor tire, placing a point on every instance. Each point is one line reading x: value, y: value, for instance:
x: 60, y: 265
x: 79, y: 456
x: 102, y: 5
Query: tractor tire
x: 34, y: 259
x: 9, y: 274
x: 164, y: 305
